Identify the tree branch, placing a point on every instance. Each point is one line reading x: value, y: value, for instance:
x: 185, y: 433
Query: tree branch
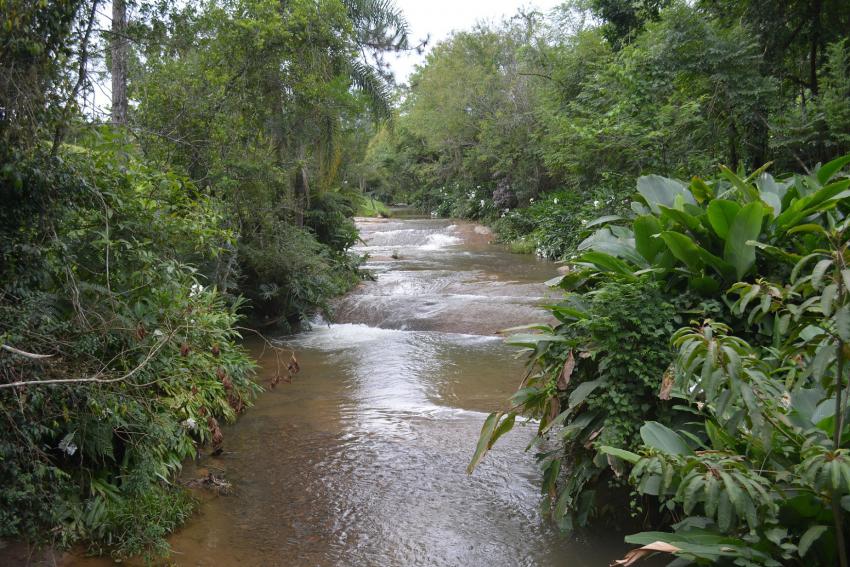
x: 96, y: 378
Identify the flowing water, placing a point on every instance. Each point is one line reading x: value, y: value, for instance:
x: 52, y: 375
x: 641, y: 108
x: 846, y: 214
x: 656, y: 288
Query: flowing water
x: 361, y: 460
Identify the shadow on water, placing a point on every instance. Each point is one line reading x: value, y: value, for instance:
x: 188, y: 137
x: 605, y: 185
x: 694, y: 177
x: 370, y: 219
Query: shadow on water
x: 361, y: 460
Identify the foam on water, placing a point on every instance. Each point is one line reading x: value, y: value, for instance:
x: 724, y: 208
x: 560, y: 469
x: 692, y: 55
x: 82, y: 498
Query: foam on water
x: 439, y: 241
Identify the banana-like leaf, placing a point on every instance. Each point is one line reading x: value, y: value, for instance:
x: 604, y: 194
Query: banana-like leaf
x: 659, y: 190
x: 664, y: 439
x: 749, y: 192
x: 721, y: 214
x: 627, y: 456
x: 646, y: 229
x: 487, y: 431
x: 693, y: 255
x: 745, y: 227
x: 603, y: 220
x: 687, y: 220
x: 701, y: 190
x: 606, y: 263
x: 829, y: 169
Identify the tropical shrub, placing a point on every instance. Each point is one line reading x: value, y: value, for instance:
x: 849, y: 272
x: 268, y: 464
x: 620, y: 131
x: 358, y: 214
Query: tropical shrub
x: 555, y: 225
x: 118, y: 361
x: 743, y: 441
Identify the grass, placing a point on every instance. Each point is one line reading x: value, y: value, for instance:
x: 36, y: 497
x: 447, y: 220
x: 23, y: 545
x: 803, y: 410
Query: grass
x: 523, y: 245
x: 371, y: 208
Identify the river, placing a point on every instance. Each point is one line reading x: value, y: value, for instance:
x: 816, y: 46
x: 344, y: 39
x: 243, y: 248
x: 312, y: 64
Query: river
x: 361, y: 460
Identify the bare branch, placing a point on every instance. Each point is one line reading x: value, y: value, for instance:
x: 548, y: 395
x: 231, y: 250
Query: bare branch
x: 24, y: 353
x: 97, y: 377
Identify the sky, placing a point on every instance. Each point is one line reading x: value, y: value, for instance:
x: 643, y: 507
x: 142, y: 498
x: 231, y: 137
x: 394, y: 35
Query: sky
x: 440, y: 17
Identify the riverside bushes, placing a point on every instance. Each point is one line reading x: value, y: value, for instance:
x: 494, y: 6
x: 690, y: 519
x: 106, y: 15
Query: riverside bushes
x: 577, y: 103
x: 140, y: 355
x: 130, y: 250
x: 701, y: 360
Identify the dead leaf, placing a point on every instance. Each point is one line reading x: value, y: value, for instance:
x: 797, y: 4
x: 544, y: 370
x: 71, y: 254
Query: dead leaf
x: 567, y: 372
x: 554, y: 408
x: 636, y: 555
x: 293, y: 365
x: 667, y: 383
x: 593, y: 437
x: 215, y: 429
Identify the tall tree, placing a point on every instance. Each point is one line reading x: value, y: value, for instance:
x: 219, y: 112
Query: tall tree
x: 119, y: 48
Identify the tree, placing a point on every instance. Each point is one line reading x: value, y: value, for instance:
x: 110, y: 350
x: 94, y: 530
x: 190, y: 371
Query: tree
x: 119, y: 46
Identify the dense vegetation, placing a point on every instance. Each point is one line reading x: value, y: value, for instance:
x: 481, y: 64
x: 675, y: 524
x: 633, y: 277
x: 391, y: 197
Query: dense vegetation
x: 697, y: 371
x: 698, y: 368
x: 564, y: 111
x: 132, y: 245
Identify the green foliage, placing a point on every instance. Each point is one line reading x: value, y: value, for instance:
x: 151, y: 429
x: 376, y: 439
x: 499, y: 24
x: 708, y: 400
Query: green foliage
x: 590, y: 375
x: 144, y: 357
x: 743, y: 433
x: 273, y: 99
x: 553, y: 227
x: 124, y: 265
x: 369, y: 207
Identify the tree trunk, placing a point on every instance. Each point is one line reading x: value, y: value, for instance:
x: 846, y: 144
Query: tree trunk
x: 119, y: 46
x: 815, y: 45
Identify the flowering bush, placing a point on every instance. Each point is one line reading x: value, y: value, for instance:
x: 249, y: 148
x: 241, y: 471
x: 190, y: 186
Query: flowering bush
x: 554, y: 225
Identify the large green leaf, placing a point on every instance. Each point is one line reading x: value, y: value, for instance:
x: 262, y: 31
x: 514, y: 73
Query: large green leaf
x: 829, y: 169
x: 812, y: 535
x: 693, y: 255
x: 659, y: 190
x: 529, y: 340
x: 683, y: 248
x: 748, y: 191
x: 745, y: 227
x: 646, y: 229
x: 606, y: 262
x: 701, y: 190
x: 620, y: 248
x: 627, y: 456
x: 603, y: 220
x: 721, y: 214
x: 664, y: 439
x: 583, y: 390
x: 821, y: 200
x: 685, y: 219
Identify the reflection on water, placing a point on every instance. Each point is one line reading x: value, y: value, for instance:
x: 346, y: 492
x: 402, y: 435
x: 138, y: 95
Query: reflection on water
x: 361, y: 460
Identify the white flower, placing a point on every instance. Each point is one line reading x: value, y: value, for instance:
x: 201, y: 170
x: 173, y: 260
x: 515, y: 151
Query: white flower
x: 190, y: 423
x: 481, y: 203
x: 196, y: 289
x: 595, y: 204
x: 67, y: 445
x: 555, y: 200
x: 583, y: 221
x: 531, y: 200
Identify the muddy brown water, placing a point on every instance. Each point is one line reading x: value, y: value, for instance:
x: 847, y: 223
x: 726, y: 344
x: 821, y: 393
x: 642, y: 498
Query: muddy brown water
x: 361, y: 460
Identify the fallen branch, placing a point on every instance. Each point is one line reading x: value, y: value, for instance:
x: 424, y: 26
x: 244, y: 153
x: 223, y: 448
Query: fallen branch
x: 96, y: 378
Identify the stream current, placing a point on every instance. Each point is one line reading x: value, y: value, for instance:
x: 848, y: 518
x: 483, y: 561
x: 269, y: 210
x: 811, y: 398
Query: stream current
x: 361, y: 460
